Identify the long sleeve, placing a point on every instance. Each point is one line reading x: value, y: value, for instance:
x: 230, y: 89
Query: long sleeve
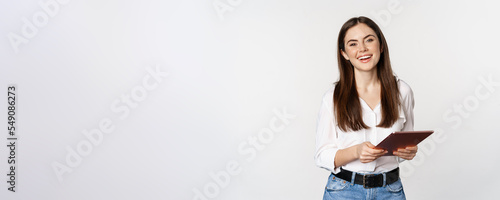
x: 407, y: 104
x: 326, y: 137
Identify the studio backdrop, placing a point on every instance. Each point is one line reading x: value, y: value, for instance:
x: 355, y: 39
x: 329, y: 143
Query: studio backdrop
x: 219, y: 99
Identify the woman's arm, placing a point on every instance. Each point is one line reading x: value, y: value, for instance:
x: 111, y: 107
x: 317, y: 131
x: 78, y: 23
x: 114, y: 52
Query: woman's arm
x: 365, y: 152
x: 408, y: 103
x: 326, y: 137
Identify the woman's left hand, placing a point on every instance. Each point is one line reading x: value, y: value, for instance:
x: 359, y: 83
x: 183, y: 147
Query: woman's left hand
x: 407, y: 153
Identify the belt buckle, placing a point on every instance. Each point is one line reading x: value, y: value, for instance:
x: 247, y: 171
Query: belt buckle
x: 367, y: 184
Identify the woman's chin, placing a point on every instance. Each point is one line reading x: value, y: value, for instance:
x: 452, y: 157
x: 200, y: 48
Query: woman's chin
x: 365, y: 68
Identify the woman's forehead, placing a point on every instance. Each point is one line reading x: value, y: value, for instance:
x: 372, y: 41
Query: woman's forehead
x: 359, y: 31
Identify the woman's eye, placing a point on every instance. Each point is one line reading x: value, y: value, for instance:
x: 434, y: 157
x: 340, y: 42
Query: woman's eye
x: 370, y: 40
x: 352, y: 44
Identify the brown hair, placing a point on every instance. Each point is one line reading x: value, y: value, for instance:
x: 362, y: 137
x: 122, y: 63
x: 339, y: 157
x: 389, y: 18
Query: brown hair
x: 347, y: 107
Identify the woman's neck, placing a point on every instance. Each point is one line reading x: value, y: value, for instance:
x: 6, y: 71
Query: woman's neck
x: 366, y: 80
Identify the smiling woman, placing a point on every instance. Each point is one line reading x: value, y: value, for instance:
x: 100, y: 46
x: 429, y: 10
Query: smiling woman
x: 361, y: 109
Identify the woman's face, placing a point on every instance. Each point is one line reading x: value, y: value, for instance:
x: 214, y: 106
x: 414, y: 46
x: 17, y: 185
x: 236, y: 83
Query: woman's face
x: 362, y: 47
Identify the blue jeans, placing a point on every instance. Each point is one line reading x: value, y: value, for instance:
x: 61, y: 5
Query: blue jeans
x: 337, y: 188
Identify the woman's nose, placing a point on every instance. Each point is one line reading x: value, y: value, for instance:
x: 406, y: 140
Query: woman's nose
x: 363, y: 48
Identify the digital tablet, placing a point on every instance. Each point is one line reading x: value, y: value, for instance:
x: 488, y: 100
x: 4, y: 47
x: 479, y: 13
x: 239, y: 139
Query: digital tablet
x: 402, y: 139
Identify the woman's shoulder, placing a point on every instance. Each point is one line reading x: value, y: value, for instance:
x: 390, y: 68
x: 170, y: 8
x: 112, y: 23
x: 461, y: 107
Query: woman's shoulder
x: 404, y: 88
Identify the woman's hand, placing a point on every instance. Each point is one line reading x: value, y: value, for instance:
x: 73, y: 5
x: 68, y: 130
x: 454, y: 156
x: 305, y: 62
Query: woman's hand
x: 407, y: 153
x: 366, y: 152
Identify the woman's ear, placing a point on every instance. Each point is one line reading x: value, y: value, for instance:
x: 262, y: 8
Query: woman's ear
x: 344, y: 54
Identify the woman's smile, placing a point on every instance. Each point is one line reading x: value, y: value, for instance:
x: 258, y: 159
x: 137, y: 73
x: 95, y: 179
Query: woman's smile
x: 365, y: 58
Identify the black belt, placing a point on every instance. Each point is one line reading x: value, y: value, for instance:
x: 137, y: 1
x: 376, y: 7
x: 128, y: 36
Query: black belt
x: 370, y: 180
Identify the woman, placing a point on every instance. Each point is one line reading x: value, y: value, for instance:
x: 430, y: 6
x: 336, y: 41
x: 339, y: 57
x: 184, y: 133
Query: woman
x: 360, y: 110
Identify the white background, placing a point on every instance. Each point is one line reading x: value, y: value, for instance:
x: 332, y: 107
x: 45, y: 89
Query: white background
x: 229, y: 71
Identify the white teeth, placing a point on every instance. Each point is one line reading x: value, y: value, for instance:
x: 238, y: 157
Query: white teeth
x: 365, y: 57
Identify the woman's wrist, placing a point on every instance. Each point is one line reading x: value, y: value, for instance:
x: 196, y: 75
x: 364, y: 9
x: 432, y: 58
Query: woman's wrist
x: 344, y: 156
x: 356, y: 151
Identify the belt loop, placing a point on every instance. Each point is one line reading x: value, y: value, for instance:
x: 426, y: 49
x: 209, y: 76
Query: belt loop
x: 385, y: 179
x: 353, y: 177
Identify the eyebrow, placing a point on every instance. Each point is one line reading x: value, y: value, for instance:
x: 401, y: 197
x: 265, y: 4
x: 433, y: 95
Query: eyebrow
x: 354, y: 40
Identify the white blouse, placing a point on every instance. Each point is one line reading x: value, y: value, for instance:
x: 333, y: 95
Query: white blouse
x: 330, y: 139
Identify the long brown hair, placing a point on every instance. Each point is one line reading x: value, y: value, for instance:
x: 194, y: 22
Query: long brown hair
x: 347, y: 106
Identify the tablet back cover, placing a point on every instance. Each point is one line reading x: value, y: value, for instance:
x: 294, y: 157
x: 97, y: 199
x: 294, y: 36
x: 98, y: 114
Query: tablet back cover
x: 402, y: 139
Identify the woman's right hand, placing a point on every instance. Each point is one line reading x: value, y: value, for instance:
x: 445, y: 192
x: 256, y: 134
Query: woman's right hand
x: 366, y: 152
